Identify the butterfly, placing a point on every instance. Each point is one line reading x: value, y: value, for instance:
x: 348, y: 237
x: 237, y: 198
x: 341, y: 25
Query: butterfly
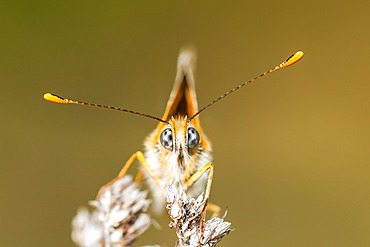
x: 177, y: 152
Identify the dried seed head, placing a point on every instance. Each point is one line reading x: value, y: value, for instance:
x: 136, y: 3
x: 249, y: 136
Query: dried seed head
x: 118, y: 220
x: 187, y: 220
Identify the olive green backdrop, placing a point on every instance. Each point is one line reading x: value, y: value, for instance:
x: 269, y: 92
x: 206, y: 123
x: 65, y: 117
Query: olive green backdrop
x: 291, y: 152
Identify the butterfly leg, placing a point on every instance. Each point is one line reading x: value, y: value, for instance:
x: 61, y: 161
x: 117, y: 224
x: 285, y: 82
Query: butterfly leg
x: 144, y: 165
x: 209, y: 166
x: 139, y: 176
x: 198, y: 174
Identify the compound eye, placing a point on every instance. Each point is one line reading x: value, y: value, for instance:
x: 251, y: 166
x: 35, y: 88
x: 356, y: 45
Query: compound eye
x: 193, y: 138
x: 167, y: 139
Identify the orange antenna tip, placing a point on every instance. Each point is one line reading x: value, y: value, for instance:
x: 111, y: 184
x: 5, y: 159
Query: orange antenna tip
x: 292, y: 59
x: 55, y: 98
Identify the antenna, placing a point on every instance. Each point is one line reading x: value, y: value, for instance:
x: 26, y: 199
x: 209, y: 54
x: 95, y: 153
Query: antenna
x: 60, y: 100
x: 291, y: 60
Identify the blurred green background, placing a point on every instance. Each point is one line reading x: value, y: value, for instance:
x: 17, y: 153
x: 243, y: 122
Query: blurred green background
x: 292, y: 151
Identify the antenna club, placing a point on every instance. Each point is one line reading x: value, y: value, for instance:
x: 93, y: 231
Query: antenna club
x: 292, y: 59
x: 55, y: 98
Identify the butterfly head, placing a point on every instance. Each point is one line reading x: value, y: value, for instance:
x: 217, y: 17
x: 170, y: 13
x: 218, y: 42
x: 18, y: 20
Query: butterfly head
x: 181, y: 138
